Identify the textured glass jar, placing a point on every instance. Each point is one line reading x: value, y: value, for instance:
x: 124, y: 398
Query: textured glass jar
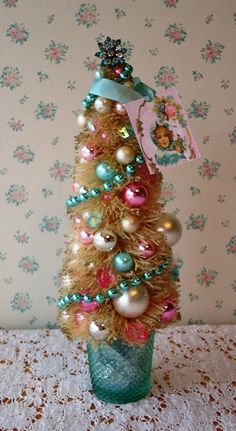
x: 121, y: 373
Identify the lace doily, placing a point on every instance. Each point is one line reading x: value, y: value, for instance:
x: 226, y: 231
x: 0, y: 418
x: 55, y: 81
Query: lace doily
x: 45, y: 385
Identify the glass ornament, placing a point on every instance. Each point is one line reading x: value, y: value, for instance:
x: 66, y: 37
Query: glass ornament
x: 170, y: 311
x: 98, y: 331
x: 146, y: 249
x: 135, y: 195
x: 171, y: 227
x: 104, y: 240
x: 120, y: 372
x: 104, y: 172
x: 125, y: 154
x: 132, y: 303
x: 105, y: 277
x: 123, y: 261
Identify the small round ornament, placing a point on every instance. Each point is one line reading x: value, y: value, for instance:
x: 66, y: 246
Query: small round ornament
x: 120, y: 108
x: 105, y: 277
x: 170, y: 311
x: 104, y: 172
x: 94, y: 220
x: 64, y: 316
x: 125, y: 155
x: 132, y: 303
x: 98, y: 331
x: 123, y: 261
x: 135, y: 195
x: 102, y: 105
x: 66, y: 281
x: 171, y: 227
x: 81, y: 120
x: 86, y: 237
x: 80, y: 319
x: 87, y: 152
x: 136, y: 332
x: 75, y: 247
x: 146, y: 249
x: 130, y: 223
x: 104, y: 240
x: 89, y: 306
x: 76, y: 187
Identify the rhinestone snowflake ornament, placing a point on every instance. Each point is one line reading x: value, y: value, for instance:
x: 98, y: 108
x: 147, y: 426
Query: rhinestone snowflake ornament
x: 111, y: 52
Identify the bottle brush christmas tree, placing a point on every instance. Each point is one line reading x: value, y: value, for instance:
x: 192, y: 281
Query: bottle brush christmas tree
x: 118, y: 283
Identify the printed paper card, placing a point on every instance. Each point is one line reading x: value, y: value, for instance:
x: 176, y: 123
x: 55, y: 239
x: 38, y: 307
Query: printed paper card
x: 162, y: 130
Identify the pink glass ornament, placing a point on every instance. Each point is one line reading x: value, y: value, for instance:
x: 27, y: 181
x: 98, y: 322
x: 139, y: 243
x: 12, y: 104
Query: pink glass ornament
x: 170, y: 311
x: 146, y: 249
x: 89, y: 306
x: 106, y: 197
x: 136, y: 332
x: 88, y: 153
x: 85, y: 236
x: 76, y: 187
x: 104, y: 136
x: 120, y: 108
x: 105, y: 277
x: 79, y: 317
x: 135, y: 195
x: 77, y: 220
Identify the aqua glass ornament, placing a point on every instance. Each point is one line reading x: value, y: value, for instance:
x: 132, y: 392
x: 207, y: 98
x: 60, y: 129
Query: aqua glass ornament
x: 123, y: 261
x: 120, y: 372
x: 104, y: 172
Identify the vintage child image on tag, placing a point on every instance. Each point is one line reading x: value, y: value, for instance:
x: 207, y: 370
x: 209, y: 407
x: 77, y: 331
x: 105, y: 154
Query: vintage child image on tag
x: 163, y: 133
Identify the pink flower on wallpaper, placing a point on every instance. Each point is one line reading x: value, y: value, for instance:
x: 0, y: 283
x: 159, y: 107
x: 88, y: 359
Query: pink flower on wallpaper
x: 168, y: 193
x: 206, y: 277
x: 91, y: 64
x: 56, y: 52
x: 17, y: 33
x: 212, y: 51
x: 10, y: 77
x: 170, y: 3
x: 231, y: 246
x: 10, y: 3
x: 87, y: 15
x: 166, y: 77
x: 209, y: 169
x: 176, y: 33
x: 15, y: 125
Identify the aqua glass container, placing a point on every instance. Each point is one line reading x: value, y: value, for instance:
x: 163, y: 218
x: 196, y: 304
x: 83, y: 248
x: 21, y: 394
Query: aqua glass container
x: 120, y: 372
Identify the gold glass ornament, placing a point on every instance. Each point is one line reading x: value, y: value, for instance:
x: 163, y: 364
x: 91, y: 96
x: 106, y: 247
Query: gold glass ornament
x: 171, y: 227
x: 132, y: 303
x: 130, y: 223
x: 125, y: 155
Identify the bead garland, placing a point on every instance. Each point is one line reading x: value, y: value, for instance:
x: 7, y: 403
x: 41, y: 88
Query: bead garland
x: 118, y: 179
x: 123, y: 286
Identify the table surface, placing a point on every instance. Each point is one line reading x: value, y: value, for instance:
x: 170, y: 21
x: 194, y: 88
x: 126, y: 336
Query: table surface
x: 45, y: 385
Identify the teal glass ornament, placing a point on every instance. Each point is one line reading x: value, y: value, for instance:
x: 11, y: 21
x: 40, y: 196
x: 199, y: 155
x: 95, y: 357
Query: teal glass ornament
x: 139, y: 159
x: 108, y: 186
x: 119, y: 178
x: 120, y: 372
x: 95, y: 220
x: 124, y: 285
x: 95, y: 192
x: 104, y: 172
x: 130, y: 169
x: 123, y: 261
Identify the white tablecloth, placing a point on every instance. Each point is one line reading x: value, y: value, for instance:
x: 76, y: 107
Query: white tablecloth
x: 45, y: 385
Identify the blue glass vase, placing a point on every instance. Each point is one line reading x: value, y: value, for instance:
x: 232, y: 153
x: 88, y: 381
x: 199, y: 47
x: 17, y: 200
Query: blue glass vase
x: 120, y: 372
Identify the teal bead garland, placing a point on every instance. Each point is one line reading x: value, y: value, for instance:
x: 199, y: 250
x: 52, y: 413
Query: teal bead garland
x: 108, y: 186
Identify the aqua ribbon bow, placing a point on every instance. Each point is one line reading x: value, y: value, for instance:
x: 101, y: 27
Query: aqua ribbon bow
x: 113, y: 90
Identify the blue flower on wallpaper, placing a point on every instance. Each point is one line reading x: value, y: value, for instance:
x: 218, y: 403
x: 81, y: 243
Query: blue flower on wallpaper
x: 232, y: 136
x: 212, y: 51
x: 231, y: 246
x: 50, y: 224
x: 42, y: 76
x: 195, y: 190
x: 193, y: 297
x: 170, y: 3
x: 197, y: 75
x: 10, y: 78
x: 198, y: 110
x: 168, y: 193
x: 23, y: 154
x: 17, y: 33
x: 209, y: 169
x: 10, y: 3
x: 21, y: 237
x: 148, y: 22
x: 91, y: 63
x: 60, y: 171
x: 129, y: 46
x: 176, y: 33
x: 15, y: 125
x: 206, y: 277
x: 46, y: 111
x: 29, y: 265
x: 21, y: 302
x: 87, y: 15
x: 196, y: 222
x: 51, y: 325
x: 120, y: 13
x: 17, y: 195
x: 166, y: 77
x: 56, y: 52
x: 46, y: 192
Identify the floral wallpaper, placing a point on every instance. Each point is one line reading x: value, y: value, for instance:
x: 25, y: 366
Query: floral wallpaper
x: 47, y: 65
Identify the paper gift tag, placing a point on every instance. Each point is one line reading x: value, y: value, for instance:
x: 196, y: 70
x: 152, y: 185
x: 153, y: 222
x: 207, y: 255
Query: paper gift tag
x: 162, y: 130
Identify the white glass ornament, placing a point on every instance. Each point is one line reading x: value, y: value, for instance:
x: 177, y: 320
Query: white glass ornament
x: 132, y: 303
x: 98, y: 331
x: 171, y: 227
x: 102, y: 105
x: 81, y: 120
x: 130, y: 223
x: 125, y: 155
x: 104, y: 240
